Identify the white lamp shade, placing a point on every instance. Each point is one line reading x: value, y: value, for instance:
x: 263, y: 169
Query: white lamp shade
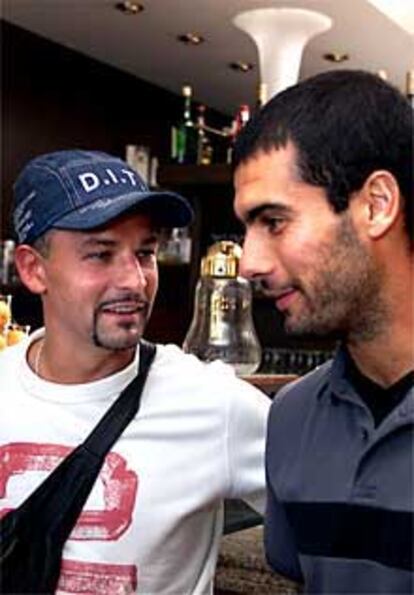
x: 280, y: 35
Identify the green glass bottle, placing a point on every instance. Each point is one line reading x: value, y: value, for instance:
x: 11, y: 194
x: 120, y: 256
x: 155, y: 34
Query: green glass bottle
x: 184, y: 135
x: 204, y: 146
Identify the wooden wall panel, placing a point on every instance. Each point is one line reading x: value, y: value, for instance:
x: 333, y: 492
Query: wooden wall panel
x: 54, y: 98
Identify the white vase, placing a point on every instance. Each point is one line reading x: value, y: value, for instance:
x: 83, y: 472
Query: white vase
x: 280, y: 35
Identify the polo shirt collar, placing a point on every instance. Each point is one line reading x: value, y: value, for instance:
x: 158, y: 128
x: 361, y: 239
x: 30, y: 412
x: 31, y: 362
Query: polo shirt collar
x: 339, y: 385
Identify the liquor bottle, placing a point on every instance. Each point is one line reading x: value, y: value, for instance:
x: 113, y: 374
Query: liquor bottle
x: 8, y: 273
x: 184, y: 135
x: 261, y: 96
x: 240, y: 120
x: 242, y: 117
x: 222, y: 326
x: 204, y: 146
x: 175, y: 246
x: 410, y: 87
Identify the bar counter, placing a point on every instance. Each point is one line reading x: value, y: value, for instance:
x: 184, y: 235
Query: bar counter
x: 242, y: 569
x: 269, y: 383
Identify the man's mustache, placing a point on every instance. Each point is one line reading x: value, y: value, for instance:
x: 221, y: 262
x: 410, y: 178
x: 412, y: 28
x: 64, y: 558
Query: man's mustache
x: 133, y: 300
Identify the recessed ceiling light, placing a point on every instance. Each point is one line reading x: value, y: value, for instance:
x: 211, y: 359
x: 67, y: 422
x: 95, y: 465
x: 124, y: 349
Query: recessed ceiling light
x: 383, y: 74
x: 191, y: 38
x: 129, y: 7
x: 241, y: 66
x: 336, y: 57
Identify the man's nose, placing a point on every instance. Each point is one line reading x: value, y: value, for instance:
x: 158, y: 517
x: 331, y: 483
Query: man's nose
x: 130, y: 273
x: 255, y: 262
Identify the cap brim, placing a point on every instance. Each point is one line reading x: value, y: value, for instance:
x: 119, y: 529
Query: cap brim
x: 167, y: 209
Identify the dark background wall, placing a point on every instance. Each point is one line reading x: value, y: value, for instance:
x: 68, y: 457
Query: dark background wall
x: 55, y: 98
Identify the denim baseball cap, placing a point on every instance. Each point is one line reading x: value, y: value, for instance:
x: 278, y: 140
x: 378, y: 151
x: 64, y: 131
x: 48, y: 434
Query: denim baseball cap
x: 81, y: 190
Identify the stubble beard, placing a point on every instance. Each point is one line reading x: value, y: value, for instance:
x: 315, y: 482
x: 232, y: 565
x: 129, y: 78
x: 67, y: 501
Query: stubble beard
x: 344, y: 299
x: 126, y: 336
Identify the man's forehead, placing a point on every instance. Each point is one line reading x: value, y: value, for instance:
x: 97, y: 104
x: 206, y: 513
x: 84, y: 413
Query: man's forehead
x: 141, y: 223
x: 263, y: 162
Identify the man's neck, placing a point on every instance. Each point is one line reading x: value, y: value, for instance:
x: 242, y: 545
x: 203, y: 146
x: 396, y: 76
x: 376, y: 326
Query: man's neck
x: 61, y: 365
x: 388, y: 357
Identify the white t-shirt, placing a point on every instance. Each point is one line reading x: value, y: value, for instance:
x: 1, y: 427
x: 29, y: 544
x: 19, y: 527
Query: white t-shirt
x: 152, y: 523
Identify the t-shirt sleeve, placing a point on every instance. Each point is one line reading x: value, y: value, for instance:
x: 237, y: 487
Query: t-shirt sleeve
x: 245, y: 444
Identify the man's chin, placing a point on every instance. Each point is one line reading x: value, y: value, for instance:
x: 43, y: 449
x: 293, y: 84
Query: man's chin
x: 307, y: 329
x: 118, y: 341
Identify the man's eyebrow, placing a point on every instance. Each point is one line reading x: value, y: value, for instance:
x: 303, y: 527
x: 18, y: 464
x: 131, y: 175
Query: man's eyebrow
x: 275, y: 208
x: 92, y: 242
x: 152, y: 239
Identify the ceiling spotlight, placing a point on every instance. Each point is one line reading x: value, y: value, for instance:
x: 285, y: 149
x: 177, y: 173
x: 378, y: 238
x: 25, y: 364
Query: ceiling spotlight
x: 129, y: 7
x: 241, y: 66
x: 191, y: 38
x: 336, y: 57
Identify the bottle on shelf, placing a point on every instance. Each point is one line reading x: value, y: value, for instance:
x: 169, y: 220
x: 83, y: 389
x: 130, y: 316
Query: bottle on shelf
x: 410, y: 87
x: 10, y: 332
x: 222, y: 326
x: 8, y: 273
x: 153, y: 172
x: 175, y: 246
x: 204, y: 146
x: 240, y: 120
x: 138, y: 157
x: 184, y: 134
x: 242, y: 117
x: 261, y: 96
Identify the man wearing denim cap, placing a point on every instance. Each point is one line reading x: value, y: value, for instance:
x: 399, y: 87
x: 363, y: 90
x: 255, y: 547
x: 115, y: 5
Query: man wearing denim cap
x: 87, y: 227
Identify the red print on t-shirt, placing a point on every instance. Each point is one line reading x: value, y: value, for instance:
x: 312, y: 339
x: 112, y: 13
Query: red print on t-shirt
x: 90, y: 579
x: 119, y: 487
x: 119, y: 494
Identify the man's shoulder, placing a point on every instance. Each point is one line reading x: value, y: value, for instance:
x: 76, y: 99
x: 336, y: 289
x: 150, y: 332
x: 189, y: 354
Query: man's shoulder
x: 214, y: 378
x: 172, y: 358
x: 11, y: 356
x: 306, y: 389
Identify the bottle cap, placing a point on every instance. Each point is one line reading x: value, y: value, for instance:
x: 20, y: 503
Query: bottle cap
x: 222, y: 260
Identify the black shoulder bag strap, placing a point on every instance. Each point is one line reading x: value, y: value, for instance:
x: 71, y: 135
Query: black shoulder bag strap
x: 33, y: 535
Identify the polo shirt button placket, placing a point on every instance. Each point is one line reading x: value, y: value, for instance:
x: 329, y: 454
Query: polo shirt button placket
x: 362, y: 491
x: 365, y: 434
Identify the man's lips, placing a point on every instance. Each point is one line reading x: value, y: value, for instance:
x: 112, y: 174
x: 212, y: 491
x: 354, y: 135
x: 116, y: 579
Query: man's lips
x: 123, y: 308
x: 284, y: 299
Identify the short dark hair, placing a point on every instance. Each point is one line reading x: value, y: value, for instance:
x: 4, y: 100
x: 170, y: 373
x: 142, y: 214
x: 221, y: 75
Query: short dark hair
x: 344, y: 125
x: 42, y: 243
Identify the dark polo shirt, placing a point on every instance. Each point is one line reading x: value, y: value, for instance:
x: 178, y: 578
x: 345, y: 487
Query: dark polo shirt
x: 340, y: 482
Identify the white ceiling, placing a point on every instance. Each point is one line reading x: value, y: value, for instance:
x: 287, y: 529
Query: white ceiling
x: 145, y: 45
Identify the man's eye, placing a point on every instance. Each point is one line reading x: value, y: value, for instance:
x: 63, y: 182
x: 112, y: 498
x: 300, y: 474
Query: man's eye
x: 146, y: 255
x: 274, y: 224
x: 101, y: 255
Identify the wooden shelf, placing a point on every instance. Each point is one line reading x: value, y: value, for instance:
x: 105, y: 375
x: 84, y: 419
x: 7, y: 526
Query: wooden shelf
x: 171, y: 174
x: 270, y: 383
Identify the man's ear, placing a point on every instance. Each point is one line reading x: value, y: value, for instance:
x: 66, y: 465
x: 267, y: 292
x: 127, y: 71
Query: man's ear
x: 382, y: 203
x: 30, y: 266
